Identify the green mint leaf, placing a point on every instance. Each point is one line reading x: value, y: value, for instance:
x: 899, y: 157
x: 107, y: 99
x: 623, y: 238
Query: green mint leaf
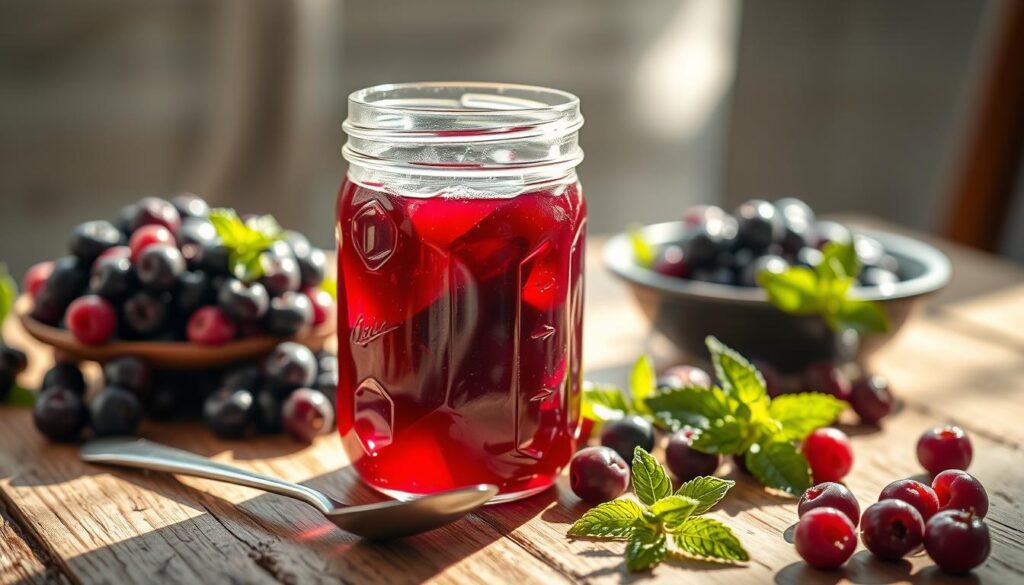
x: 643, y: 252
x: 609, y: 520
x: 707, y: 490
x: 708, y: 538
x: 21, y: 396
x: 650, y: 482
x: 330, y: 286
x: 695, y: 406
x: 245, y: 240
x: 673, y: 510
x: 799, y: 414
x: 839, y: 261
x: 642, y: 383
x: 779, y: 465
x: 738, y: 377
x: 794, y: 291
x: 646, y: 547
x: 8, y: 293
x: 863, y: 316
x: 603, y: 402
x: 728, y: 436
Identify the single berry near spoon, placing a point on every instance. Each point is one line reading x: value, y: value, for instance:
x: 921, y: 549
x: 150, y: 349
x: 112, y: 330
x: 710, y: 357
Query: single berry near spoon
x: 598, y: 474
x: 114, y: 411
x: 959, y: 490
x: 825, y: 538
x: 307, y: 413
x: 943, y: 448
x: 830, y: 494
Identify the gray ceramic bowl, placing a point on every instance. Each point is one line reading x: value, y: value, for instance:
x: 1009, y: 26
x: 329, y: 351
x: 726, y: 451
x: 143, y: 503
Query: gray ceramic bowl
x: 687, y: 311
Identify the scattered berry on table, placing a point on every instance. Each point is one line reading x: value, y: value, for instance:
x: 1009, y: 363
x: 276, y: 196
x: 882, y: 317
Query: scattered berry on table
x: 958, y: 490
x: 229, y: 412
x: 891, y: 529
x: 684, y: 461
x: 59, y: 414
x: 871, y: 399
x: 307, y: 413
x: 828, y: 453
x: 825, y: 538
x: 64, y: 374
x: 626, y: 434
x: 957, y: 541
x: 826, y: 378
x: 598, y: 474
x: 915, y: 493
x: 830, y: 494
x: 943, y: 448
x: 114, y: 411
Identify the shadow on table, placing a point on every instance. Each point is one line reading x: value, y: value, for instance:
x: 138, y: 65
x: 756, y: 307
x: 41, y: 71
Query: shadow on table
x: 866, y: 569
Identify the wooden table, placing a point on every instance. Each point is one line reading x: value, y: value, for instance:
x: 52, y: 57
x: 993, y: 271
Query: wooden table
x: 64, y: 521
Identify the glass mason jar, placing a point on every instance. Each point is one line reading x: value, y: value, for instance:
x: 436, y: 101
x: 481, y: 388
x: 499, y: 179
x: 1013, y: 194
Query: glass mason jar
x: 460, y: 229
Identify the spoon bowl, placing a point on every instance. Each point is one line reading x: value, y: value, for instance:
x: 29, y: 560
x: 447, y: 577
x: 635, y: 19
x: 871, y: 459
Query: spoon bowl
x: 378, y: 521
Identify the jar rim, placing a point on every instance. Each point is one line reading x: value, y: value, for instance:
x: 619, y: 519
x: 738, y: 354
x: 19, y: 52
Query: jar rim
x: 567, y: 101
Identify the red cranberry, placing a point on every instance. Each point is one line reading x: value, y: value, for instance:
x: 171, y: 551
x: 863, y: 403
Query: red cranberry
x: 155, y: 211
x: 323, y: 305
x: 891, y: 528
x: 306, y: 414
x: 148, y: 235
x: 825, y: 538
x: 957, y: 541
x: 830, y: 495
x: 829, y: 454
x: 210, y: 326
x: 598, y: 474
x: 91, y: 319
x: 959, y: 490
x: 682, y: 376
x: 871, y: 399
x: 826, y: 378
x: 944, y: 448
x: 685, y: 462
x: 915, y: 493
x: 36, y: 277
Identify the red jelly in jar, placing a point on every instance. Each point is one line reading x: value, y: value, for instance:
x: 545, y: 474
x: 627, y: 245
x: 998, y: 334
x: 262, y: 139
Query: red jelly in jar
x: 461, y: 227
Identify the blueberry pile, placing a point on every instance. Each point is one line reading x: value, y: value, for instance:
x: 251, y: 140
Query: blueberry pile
x: 292, y: 390
x: 161, y: 271
x: 732, y: 249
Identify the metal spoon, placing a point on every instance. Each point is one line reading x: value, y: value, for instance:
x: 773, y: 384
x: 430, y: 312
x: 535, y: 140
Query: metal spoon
x: 380, y: 521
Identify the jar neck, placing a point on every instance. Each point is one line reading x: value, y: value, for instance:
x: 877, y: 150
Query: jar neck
x: 478, y: 135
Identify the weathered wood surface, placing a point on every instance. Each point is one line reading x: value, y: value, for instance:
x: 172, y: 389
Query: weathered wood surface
x: 65, y: 521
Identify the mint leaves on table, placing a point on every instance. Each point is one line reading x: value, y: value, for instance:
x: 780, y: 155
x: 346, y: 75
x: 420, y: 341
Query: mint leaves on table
x: 739, y: 418
x: 824, y: 290
x: 605, y: 402
x: 245, y: 240
x: 663, y: 524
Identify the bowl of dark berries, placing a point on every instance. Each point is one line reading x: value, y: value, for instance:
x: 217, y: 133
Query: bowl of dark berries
x: 775, y: 282
x: 181, y: 286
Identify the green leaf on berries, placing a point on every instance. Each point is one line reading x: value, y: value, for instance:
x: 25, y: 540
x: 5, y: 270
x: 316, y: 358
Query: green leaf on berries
x: 799, y: 414
x: 245, y: 240
x: 726, y: 436
x: 839, y: 260
x: 692, y: 405
x: 8, y: 293
x: 643, y: 252
x: 642, y: 383
x: 673, y: 510
x: 650, y: 482
x: 779, y: 465
x: 708, y: 538
x: 707, y: 490
x: 611, y: 520
x: 738, y: 377
x: 646, y: 547
x: 603, y: 402
x: 862, y: 316
x: 794, y: 291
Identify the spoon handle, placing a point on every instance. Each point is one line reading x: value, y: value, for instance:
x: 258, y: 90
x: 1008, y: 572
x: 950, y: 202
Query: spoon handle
x: 143, y: 454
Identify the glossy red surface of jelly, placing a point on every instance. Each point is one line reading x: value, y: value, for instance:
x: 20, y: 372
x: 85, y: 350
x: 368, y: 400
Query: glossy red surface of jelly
x: 459, y: 327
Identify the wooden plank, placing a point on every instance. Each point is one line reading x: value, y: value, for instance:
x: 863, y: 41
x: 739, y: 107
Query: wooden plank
x: 22, y: 560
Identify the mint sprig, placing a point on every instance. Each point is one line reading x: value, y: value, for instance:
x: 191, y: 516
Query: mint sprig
x: 245, y: 240
x: 739, y: 418
x: 663, y: 524
x: 825, y: 291
x: 605, y: 402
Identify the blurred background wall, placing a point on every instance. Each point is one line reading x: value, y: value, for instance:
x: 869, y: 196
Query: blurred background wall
x: 854, y: 105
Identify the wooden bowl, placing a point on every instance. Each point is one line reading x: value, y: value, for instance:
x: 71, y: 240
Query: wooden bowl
x: 178, y: 355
